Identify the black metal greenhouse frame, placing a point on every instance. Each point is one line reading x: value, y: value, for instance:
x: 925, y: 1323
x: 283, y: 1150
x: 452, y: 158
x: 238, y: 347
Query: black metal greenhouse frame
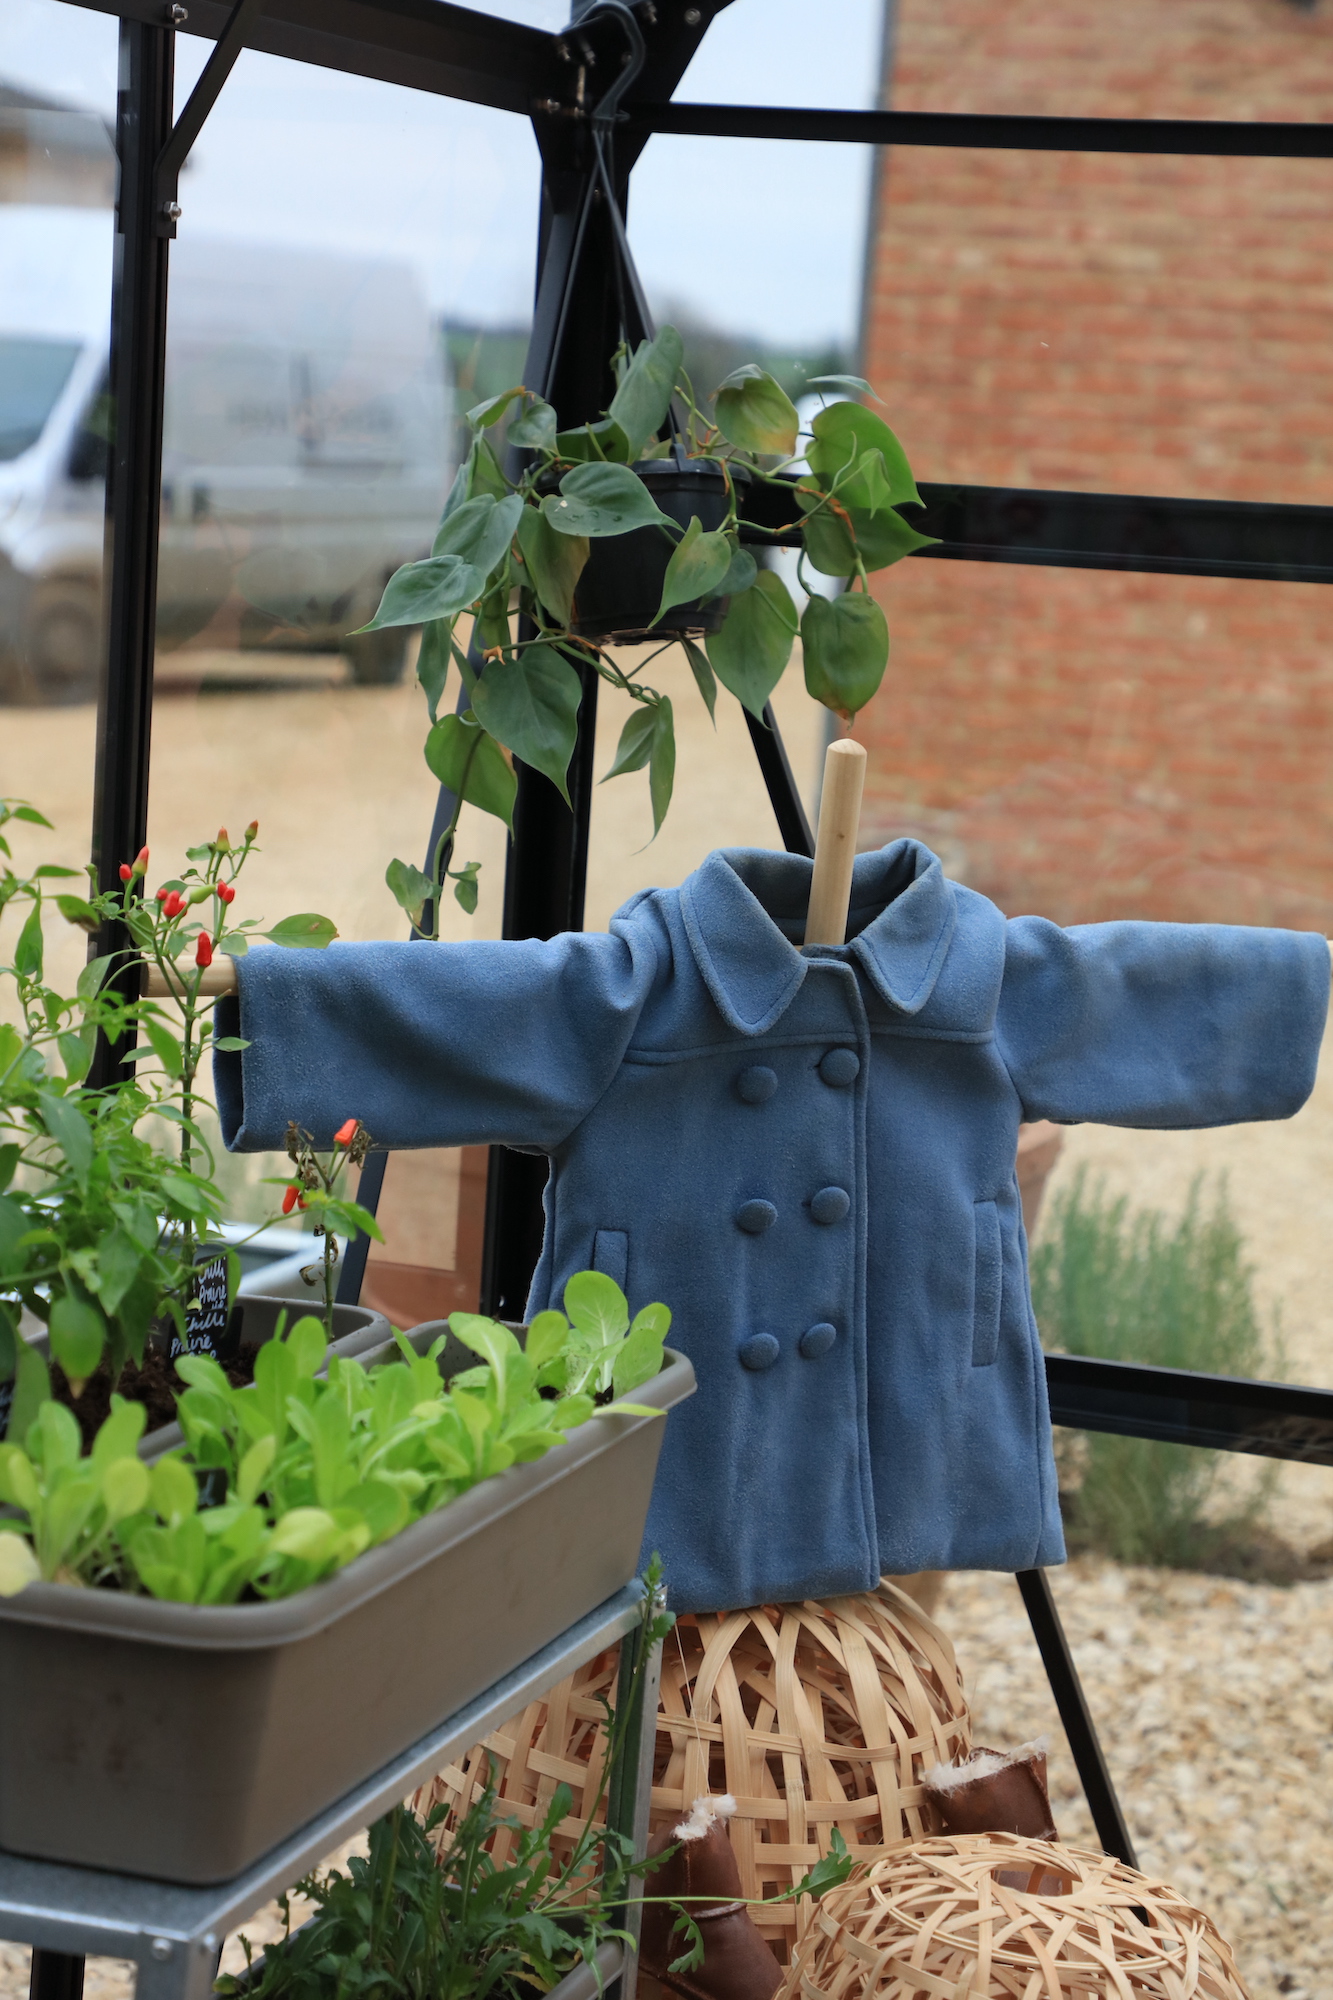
x: 559, y: 81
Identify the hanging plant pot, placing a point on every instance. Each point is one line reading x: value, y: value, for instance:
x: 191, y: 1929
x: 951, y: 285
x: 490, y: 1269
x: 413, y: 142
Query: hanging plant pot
x: 183, y: 1741
x: 620, y: 589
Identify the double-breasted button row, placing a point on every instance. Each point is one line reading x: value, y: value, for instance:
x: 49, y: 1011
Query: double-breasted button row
x: 761, y: 1350
x: 830, y: 1205
x: 837, y: 1067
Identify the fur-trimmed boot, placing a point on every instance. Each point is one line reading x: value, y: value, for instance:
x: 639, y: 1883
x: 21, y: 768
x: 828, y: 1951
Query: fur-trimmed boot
x: 994, y: 1792
x: 737, y: 1965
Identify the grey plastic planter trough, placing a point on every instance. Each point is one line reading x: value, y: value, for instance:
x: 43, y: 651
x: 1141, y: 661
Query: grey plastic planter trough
x: 183, y: 1742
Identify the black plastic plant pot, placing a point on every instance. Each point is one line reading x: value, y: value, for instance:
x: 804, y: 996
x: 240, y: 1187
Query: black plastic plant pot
x: 183, y: 1742
x: 621, y: 586
x: 355, y: 1329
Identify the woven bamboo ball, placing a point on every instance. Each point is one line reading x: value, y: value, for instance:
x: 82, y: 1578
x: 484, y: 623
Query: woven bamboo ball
x: 996, y: 1916
x: 811, y: 1715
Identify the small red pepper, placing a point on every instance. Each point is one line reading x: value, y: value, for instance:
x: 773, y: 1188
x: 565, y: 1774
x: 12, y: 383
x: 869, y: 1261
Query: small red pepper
x: 290, y: 1199
x: 252, y: 829
x: 126, y: 872
x: 222, y: 844
x: 141, y: 862
x: 162, y: 895
x: 226, y: 892
x: 174, y: 904
x: 203, y: 951
x: 346, y: 1132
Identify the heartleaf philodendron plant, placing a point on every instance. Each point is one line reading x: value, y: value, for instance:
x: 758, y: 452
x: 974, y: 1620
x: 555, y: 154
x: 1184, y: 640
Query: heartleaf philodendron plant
x: 316, y: 1468
x: 510, y: 552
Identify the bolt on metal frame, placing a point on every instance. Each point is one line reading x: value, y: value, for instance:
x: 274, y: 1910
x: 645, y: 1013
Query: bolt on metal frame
x: 557, y: 80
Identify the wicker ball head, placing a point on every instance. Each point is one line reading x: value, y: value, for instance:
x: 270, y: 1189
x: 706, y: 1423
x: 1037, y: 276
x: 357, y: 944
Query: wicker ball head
x: 811, y: 1715
x: 995, y: 1916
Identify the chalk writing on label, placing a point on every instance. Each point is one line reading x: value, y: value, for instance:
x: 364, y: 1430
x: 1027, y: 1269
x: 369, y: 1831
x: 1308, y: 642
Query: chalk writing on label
x: 205, y: 1320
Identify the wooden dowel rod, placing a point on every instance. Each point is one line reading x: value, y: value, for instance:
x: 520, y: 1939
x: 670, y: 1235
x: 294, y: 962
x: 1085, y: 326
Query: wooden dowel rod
x: 835, y: 843
x: 216, y: 979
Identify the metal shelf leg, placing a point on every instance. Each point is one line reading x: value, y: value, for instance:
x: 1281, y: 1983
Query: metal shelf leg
x: 56, y: 1975
x: 1075, y: 1715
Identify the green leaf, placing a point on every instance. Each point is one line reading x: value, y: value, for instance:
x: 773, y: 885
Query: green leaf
x: 70, y: 1130
x: 704, y: 678
x: 118, y: 1261
x: 698, y: 564
x: 32, y: 1388
x: 756, y: 413
x: 841, y: 382
x: 547, y: 1333
x: 531, y: 705
x: 230, y: 1044
x: 480, y: 531
x: 843, y: 432
x: 641, y: 402
x: 92, y: 978
x: 308, y: 931
x: 597, y: 1307
x: 741, y: 573
x: 662, y: 764
x: 28, y: 950
x: 554, y: 562
x: 881, y: 539
x: 77, y: 910
x: 76, y: 1052
x: 845, y: 641
x: 592, y: 443
x: 164, y: 1045
x: 483, y: 415
x: 754, y: 645
x: 462, y: 756
x: 464, y: 880
x: 433, y: 660
x: 14, y: 1223
x: 9, y: 1159
x: 31, y: 816
x: 636, y: 742
x: 78, y: 1335
x: 535, y: 429
x: 410, y: 889
x: 640, y: 1359
x: 437, y: 587
x: 602, y: 500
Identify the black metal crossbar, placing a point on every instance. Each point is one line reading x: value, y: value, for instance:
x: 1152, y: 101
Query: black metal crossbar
x: 1260, y: 139
x: 1175, y: 1406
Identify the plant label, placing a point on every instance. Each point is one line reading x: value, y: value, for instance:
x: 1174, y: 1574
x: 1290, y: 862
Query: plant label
x: 209, y: 1328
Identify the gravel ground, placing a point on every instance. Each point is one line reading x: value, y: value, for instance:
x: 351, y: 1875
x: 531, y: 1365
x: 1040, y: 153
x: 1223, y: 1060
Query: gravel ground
x: 1213, y: 1698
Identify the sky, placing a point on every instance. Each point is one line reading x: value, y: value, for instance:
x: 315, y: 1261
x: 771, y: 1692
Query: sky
x: 755, y: 237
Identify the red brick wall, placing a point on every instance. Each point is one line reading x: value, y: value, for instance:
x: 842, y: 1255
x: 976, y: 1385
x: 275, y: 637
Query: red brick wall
x: 1091, y: 744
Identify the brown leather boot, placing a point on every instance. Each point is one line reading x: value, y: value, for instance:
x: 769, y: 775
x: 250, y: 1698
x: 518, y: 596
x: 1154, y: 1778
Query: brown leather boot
x: 994, y: 1793
x: 737, y: 1965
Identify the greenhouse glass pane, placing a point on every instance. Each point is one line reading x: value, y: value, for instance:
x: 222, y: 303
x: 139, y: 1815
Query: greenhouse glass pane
x: 57, y: 184
x: 310, y: 442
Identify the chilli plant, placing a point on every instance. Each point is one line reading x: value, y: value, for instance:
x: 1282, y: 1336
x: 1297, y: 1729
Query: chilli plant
x: 101, y: 1220
x: 513, y: 544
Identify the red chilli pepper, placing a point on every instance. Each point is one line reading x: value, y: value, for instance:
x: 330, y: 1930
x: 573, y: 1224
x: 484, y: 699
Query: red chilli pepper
x: 163, y: 895
x: 252, y: 829
x: 174, y: 904
x: 346, y: 1132
x: 226, y: 892
x: 126, y: 872
x: 203, y: 951
x: 141, y: 862
x: 290, y: 1199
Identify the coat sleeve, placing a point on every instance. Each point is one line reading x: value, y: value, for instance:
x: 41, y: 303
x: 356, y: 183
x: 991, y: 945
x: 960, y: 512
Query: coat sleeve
x: 429, y: 1044
x: 1161, y: 1025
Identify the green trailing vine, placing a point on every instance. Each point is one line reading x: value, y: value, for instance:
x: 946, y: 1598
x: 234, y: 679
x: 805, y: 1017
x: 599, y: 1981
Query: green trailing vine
x: 510, y: 552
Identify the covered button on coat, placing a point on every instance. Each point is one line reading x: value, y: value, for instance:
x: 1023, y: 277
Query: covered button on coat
x: 809, y: 1155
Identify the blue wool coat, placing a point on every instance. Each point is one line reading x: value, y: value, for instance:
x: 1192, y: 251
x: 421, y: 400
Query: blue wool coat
x: 809, y: 1155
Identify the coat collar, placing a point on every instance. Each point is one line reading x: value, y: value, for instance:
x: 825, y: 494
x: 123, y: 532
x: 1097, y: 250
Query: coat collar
x: 744, y: 914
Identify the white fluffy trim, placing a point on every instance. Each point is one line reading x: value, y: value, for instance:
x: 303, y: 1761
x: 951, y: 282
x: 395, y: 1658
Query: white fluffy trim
x: 704, y: 1814
x: 983, y: 1764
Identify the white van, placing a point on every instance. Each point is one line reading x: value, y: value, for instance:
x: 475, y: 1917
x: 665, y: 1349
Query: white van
x: 306, y: 448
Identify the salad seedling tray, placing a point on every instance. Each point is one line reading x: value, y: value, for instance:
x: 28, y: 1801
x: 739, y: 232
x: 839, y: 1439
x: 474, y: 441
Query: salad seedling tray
x: 182, y: 1742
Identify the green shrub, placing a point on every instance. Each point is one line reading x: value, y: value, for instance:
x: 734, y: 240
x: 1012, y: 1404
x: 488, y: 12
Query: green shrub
x: 1132, y: 1285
